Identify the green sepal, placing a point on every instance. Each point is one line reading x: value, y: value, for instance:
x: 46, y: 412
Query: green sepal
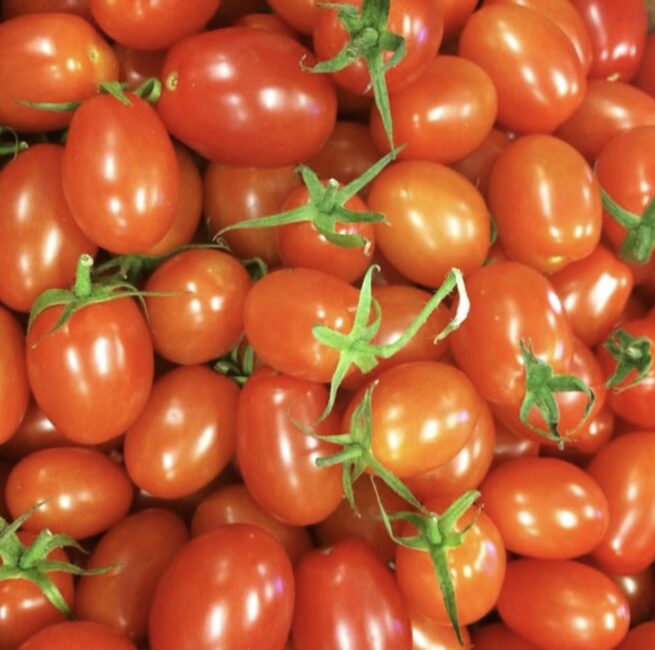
x: 237, y: 364
x: 15, y: 146
x: 53, y: 107
x: 632, y: 353
x: 149, y: 90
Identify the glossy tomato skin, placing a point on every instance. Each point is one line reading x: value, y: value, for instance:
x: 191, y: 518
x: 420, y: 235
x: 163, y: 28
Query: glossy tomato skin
x: 645, y: 78
x: 185, y: 434
x: 510, y: 446
x: 555, y: 217
x: 14, y: 387
x: 342, y: 594
x: 210, y: 74
x: 639, y: 589
x: 497, y: 636
x: 154, y: 26
x: 642, y: 636
x: 436, y: 220
x: 49, y: 58
x: 261, y: 20
x: 41, y: 241
x: 135, y: 66
x: 140, y: 547
x: 232, y: 587
x: 91, y: 377
x: 13, y: 8
x: 204, y: 318
x: 276, y: 459
x: 299, y: 14
x: 430, y: 635
x: 535, y: 93
x: 120, y: 174
x: 78, y: 635
x: 559, y: 604
x: 623, y: 470
x: 83, y: 491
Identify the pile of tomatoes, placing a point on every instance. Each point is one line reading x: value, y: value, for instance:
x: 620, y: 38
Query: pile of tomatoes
x: 327, y: 327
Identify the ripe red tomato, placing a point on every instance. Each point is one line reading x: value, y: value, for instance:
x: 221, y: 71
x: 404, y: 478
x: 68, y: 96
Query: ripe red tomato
x: 299, y: 14
x: 13, y: 8
x: 645, y: 78
x: 261, y: 20
x: 639, y: 589
x: 239, y: 117
x: 231, y: 587
x: 640, y: 637
x: 497, y: 636
x: 455, y: 15
x: 510, y: 446
x: 78, y: 635
x: 136, y: 66
x: 430, y: 635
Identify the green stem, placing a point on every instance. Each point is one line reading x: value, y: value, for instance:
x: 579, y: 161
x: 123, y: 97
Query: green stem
x: 83, y: 285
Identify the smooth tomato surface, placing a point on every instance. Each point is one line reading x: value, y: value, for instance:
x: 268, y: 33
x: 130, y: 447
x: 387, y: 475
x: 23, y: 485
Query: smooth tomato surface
x: 78, y: 635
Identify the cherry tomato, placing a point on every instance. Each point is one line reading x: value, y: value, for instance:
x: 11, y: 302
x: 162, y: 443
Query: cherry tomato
x: 430, y: 635
x: 266, y: 21
x: 78, y: 635
x: 642, y: 636
x: 231, y: 587
x: 645, y: 78
x: 497, y: 636
x: 13, y: 8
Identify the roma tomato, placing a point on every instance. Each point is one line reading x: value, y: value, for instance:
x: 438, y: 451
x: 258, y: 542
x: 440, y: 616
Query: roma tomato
x: 232, y: 587
x: 13, y: 8
x: 430, y: 635
x: 120, y: 174
x: 497, y: 636
x: 49, y: 58
x: 238, y: 117
x: 300, y: 14
x: 83, y: 492
x: 272, y: 22
x: 559, y: 604
x: 342, y: 593
x: 78, y: 635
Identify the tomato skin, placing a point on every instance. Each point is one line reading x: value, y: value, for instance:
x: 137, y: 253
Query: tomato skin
x: 41, y: 241
x: 14, y: 388
x: 555, y: 217
x: 226, y: 570
x: 645, y: 78
x: 276, y: 459
x: 185, y: 434
x: 154, y: 26
x: 84, y: 491
x: 535, y: 94
x: 300, y: 14
x: 510, y: 446
x: 642, y: 636
x: 103, y: 351
x: 436, y: 220
x: 204, y: 319
x: 342, y: 594
x: 476, y: 567
x: 120, y: 174
x: 279, y: 100
x: 78, y: 635
x: 430, y: 635
x: 594, y: 292
x: 5, y: 467
x: 13, y: 8
x: 49, y: 58
x: 563, y: 605
x: 142, y: 545
x: 623, y: 470
x: 135, y: 66
x: 455, y: 15
x: 639, y: 589
x: 267, y: 21
x: 497, y: 636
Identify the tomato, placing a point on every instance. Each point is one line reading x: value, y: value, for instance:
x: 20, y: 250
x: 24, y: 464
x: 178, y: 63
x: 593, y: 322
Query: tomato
x: 594, y: 292
x: 229, y: 588
x: 83, y: 491
x: 430, y: 635
x: 5, y: 468
x: 229, y: 11
x: 618, y: 36
x: 141, y: 548
x: 41, y: 241
x: 623, y: 470
x: 343, y: 593
x: 555, y: 217
x: 559, y: 604
x: 135, y: 66
x: 276, y: 459
x: 155, y: 25
x: 645, y: 78
x: 642, y: 636
x: 13, y: 8
x: 510, y: 446
x: 78, y: 635
x: 639, y: 589
x: 266, y: 21
x: 497, y: 636
x: 241, y: 118
x: 120, y: 174
x: 233, y: 504
x: 300, y: 14
x: 204, y: 318
x: 455, y: 15
x: 608, y: 108
x: 25, y: 610
x: 477, y: 568
x: 93, y: 375
x: 14, y: 389
x: 185, y: 435
x: 436, y: 220
x: 535, y: 93
x: 49, y: 58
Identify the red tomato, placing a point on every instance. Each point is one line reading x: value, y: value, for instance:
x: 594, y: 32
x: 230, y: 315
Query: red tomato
x: 559, y: 604
x: 141, y: 548
x: 430, y: 635
x: 13, y: 8
x: 455, y: 15
x: 204, y: 318
x: 639, y: 589
x: 640, y: 637
x: 120, y: 174
x: 229, y: 588
x: 83, y: 491
x: 154, y: 26
x: 645, y: 78
x: 266, y: 21
x: 49, y: 58
x: 136, y: 66
x: 241, y: 118
x: 436, y: 220
x: 623, y: 470
x: 78, y: 635
x: 510, y: 446
x: 300, y: 14
x: 536, y: 93
x: 343, y: 593
x: 497, y: 636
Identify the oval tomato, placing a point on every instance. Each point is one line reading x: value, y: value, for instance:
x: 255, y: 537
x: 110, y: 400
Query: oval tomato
x: 13, y: 8
x: 78, y: 635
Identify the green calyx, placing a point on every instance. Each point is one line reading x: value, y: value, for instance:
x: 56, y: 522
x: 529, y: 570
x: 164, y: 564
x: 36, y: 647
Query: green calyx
x: 541, y: 384
x: 326, y: 207
x: 356, y: 349
x: 639, y: 241
x: 632, y: 353
x: 369, y: 40
x: 12, y: 145
x: 237, y: 364
x: 20, y: 562
x: 436, y: 535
